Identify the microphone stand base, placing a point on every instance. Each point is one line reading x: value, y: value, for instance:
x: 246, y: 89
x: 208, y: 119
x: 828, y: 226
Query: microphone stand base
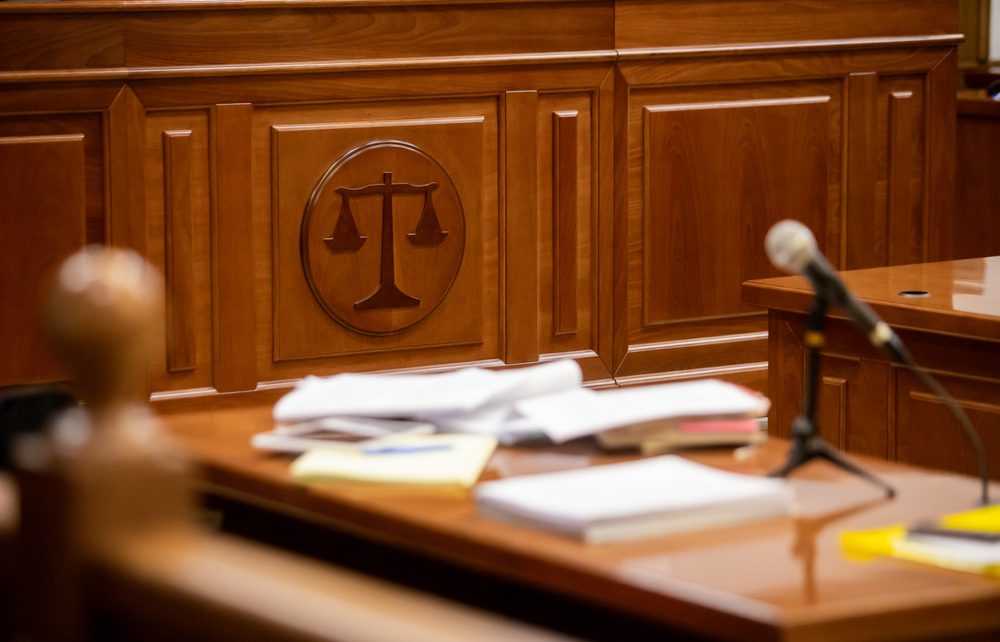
x: 805, y: 448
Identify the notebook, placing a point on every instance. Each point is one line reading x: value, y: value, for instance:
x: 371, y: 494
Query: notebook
x: 657, y: 437
x: 965, y: 541
x: 641, y: 498
x: 453, y: 460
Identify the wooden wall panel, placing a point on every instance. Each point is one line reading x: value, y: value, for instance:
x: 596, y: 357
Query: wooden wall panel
x: 455, y: 281
x: 716, y: 176
x: 943, y: 232
x: 928, y: 435
x: 617, y: 166
x: 978, y: 193
x: 974, y: 22
x: 882, y: 190
x: 366, y: 32
x: 176, y: 37
x: 691, y: 23
x: 568, y: 222
x: 43, y: 183
x: 178, y: 220
x: 853, y: 405
x: 887, y: 153
x: 711, y: 169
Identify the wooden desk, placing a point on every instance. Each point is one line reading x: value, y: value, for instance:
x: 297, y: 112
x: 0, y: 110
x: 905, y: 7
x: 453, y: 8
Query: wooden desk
x: 780, y: 579
x: 870, y: 406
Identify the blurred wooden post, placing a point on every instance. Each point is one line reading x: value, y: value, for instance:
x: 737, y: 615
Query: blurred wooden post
x: 104, y: 473
x: 106, y: 521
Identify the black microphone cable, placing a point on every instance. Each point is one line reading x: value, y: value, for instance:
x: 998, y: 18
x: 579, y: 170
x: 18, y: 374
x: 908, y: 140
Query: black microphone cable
x: 791, y: 246
x: 925, y: 377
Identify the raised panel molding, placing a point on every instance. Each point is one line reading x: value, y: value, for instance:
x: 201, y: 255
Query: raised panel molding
x: 564, y: 220
x: 905, y: 232
x: 568, y: 222
x: 724, y: 354
x: 727, y: 165
x: 180, y: 241
x: 179, y: 250
x: 710, y: 170
x: 832, y: 418
x: 928, y: 435
x: 43, y: 183
x: 357, y: 286
x: 321, y: 281
x: 853, y: 409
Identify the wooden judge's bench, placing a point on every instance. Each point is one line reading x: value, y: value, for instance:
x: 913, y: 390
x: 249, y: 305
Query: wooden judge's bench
x: 373, y: 185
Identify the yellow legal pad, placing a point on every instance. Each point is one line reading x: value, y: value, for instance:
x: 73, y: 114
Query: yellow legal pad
x: 959, y: 553
x: 453, y: 460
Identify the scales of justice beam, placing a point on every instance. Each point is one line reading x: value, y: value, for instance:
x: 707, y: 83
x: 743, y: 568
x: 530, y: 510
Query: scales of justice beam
x: 346, y: 238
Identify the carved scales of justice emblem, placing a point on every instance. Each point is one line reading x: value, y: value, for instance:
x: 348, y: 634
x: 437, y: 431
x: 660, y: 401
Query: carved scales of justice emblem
x: 346, y: 238
x: 382, y: 287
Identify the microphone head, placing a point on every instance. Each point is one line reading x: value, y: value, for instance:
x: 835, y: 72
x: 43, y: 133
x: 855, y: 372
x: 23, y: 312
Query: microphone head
x: 790, y: 246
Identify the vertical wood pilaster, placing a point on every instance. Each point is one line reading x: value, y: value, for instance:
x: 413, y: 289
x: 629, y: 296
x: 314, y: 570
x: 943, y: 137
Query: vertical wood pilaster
x: 605, y: 233
x: 234, y: 325
x: 865, y: 233
x: 619, y: 218
x: 126, y: 219
x: 941, y: 227
x: 521, y: 225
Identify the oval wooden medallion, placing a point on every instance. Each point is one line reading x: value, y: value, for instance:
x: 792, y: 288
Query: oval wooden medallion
x: 383, y: 237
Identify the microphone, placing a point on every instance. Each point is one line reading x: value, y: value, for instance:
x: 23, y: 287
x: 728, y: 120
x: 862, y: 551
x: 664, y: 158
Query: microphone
x: 792, y: 248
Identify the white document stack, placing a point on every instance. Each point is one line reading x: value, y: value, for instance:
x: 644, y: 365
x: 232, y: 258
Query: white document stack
x: 543, y: 400
x: 635, y: 499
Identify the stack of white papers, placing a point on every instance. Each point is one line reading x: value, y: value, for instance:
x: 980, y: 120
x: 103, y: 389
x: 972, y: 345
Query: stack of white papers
x: 448, y: 394
x: 470, y: 400
x: 635, y: 499
x: 543, y: 400
x: 580, y: 412
x: 335, y: 431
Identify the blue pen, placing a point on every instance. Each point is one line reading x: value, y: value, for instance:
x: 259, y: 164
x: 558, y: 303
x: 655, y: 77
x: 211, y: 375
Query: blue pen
x: 404, y: 449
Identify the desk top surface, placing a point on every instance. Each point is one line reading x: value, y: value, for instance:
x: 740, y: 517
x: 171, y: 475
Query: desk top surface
x: 783, y: 578
x: 951, y: 297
